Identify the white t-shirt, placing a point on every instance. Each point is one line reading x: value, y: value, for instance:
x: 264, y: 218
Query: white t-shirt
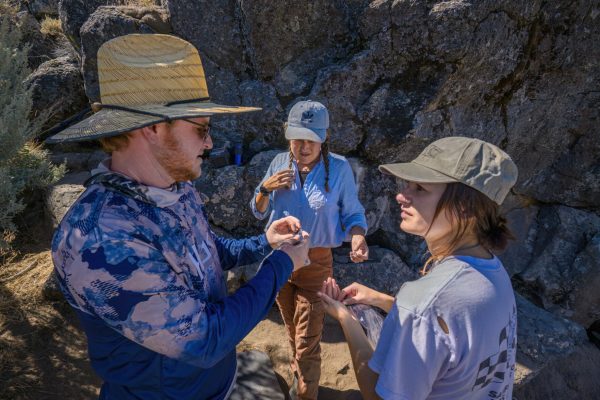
x: 416, y: 359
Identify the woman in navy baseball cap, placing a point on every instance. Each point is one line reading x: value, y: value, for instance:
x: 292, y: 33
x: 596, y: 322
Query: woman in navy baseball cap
x: 318, y: 188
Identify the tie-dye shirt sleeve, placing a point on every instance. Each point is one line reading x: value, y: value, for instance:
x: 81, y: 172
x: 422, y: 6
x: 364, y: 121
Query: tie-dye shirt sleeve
x: 153, y: 274
x: 137, y: 293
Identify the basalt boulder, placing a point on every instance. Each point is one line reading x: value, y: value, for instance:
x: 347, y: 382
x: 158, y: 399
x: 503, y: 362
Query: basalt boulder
x: 554, y: 357
x: 57, y: 87
x: 43, y: 8
x: 73, y: 14
x: 559, y: 263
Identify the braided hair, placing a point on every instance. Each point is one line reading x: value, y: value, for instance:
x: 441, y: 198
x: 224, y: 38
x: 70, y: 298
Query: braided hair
x: 291, y: 164
x: 325, y: 154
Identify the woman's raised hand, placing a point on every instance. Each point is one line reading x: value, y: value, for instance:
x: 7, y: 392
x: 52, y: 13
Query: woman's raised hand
x: 280, y: 180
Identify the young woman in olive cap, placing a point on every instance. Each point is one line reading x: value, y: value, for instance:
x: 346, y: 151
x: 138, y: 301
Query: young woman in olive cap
x: 452, y: 333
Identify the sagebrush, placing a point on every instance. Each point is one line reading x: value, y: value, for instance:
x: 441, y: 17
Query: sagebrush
x: 24, y: 165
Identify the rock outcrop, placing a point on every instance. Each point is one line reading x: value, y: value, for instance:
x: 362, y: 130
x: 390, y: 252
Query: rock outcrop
x: 397, y: 75
x: 555, y: 359
x: 43, y: 8
x: 558, y: 262
x: 58, y: 88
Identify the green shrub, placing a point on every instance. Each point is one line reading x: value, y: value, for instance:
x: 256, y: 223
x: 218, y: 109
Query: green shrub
x: 23, y: 164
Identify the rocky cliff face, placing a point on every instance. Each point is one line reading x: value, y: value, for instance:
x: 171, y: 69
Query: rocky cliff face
x: 397, y: 75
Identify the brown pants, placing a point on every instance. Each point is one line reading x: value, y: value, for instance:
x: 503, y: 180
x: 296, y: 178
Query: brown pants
x: 303, y: 316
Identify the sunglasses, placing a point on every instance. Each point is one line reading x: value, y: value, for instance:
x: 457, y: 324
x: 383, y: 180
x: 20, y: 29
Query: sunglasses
x: 204, y: 132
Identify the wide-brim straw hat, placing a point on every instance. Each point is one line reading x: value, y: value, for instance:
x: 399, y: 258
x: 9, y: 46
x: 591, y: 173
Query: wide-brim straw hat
x: 145, y: 79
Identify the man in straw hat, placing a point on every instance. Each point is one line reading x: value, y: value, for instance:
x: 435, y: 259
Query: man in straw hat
x: 135, y: 255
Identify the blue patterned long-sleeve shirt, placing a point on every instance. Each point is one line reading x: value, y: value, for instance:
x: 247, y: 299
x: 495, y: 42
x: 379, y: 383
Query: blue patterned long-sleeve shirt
x: 145, y: 274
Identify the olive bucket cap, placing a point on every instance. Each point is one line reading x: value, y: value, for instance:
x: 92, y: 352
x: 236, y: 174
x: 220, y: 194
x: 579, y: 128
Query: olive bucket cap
x: 473, y: 162
x: 145, y: 79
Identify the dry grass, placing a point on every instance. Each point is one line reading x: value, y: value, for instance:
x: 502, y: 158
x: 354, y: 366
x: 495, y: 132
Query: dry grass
x: 8, y: 7
x: 42, y: 352
x: 51, y: 27
x: 26, y: 288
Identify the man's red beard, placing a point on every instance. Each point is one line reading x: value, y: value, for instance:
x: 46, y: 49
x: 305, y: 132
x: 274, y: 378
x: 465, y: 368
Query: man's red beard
x: 169, y: 158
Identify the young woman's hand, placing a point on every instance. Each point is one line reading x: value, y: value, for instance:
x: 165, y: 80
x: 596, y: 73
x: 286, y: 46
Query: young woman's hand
x: 280, y: 180
x: 360, y: 250
x: 357, y: 293
x: 332, y: 296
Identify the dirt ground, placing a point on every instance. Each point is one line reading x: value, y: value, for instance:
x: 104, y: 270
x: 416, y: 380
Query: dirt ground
x: 43, y: 353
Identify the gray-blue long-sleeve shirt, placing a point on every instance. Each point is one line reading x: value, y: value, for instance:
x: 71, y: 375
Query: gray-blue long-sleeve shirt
x: 326, y: 216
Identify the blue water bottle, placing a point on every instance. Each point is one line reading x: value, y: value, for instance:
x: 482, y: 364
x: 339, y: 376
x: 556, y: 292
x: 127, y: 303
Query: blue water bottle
x: 237, y: 154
